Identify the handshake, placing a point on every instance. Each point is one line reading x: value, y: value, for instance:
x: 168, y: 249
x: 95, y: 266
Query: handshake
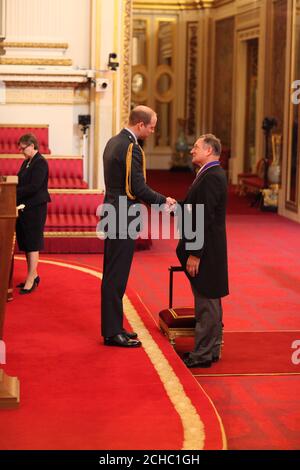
x: 171, y: 204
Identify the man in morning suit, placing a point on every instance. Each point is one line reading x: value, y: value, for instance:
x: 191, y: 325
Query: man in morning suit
x: 125, y: 175
x: 206, y: 267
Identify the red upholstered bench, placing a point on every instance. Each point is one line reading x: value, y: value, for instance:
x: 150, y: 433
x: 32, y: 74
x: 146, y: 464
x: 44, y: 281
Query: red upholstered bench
x: 71, y: 211
x: 10, y: 164
x: 72, y: 222
x: 251, y: 182
x: 10, y: 134
x: 64, y: 172
x: 177, y: 322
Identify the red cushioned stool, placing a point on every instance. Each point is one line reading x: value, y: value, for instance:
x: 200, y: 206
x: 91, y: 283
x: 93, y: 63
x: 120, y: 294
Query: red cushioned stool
x: 175, y: 322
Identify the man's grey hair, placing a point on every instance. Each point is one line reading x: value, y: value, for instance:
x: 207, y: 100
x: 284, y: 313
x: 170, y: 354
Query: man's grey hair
x: 213, y: 142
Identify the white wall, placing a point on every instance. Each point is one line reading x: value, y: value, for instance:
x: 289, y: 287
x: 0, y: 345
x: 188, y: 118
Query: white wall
x: 92, y: 29
x: 52, y: 21
x: 64, y: 137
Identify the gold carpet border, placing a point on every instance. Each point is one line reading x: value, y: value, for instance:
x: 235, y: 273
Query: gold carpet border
x: 193, y: 427
x: 72, y: 235
x: 224, y: 438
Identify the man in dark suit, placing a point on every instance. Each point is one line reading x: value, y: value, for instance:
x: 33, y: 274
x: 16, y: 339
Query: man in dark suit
x: 124, y: 174
x: 206, y: 266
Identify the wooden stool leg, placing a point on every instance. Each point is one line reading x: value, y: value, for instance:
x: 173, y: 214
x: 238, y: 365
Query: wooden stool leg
x: 10, y: 282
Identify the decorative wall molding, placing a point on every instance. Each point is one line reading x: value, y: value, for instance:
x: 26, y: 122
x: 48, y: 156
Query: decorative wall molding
x: 39, y: 84
x: 224, y: 10
x: 33, y: 61
x: 81, y: 96
x: 244, y: 6
x: 32, y: 75
x: 221, y: 3
x: 55, y: 96
x: 46, y: 29
x: 50, y: 53
x: 39, y: 45
x: 191, y: 77
x: 248, y: 18
x: 126, y: 66
x: 168, y: 95
x: 249, y: 34
x: 172, y: 4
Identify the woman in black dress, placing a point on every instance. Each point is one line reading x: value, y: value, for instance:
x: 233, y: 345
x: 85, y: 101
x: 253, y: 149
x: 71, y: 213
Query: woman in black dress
x: 32, y: 192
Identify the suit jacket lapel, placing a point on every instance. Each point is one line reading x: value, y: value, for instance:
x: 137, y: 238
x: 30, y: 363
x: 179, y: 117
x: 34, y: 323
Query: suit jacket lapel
x: 194, y: 185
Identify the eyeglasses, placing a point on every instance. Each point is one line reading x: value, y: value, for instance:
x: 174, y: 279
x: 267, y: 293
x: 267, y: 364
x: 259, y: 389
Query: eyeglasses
x: 21, y: 149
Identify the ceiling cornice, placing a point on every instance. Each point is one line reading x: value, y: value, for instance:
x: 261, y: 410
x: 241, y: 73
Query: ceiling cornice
x: 172, y: 4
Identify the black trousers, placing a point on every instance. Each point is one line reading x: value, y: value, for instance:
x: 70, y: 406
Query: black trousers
x: 117, y: 261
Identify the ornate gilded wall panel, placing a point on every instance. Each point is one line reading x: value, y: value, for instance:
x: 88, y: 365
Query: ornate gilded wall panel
x: 223, y: 80
x: 153, y: 73
x: 126, y: 62
x: 278, y: 66
x: 250, y: 156
x: 164, y: 79
x: 293, y: 137
x: 191, y: 79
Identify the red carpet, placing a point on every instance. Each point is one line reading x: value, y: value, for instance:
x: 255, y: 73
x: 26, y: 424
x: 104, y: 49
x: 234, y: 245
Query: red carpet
x: 267, y: 352
x: 264, y: 271
x: 264, y: 267
x: 258, y: 412
x: 78, y: 394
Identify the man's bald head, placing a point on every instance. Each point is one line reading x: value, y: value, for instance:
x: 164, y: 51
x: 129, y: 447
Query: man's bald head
x: 142, y: 114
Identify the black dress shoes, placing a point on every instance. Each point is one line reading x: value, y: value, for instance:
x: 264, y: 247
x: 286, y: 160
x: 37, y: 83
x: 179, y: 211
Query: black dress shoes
x: 34, y: 285
x: 28, y: 291
x: 36, y: 280
x: 189, y: 362
x: 130, y: 334
x: 186, y: 356
x: 122, y: 340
